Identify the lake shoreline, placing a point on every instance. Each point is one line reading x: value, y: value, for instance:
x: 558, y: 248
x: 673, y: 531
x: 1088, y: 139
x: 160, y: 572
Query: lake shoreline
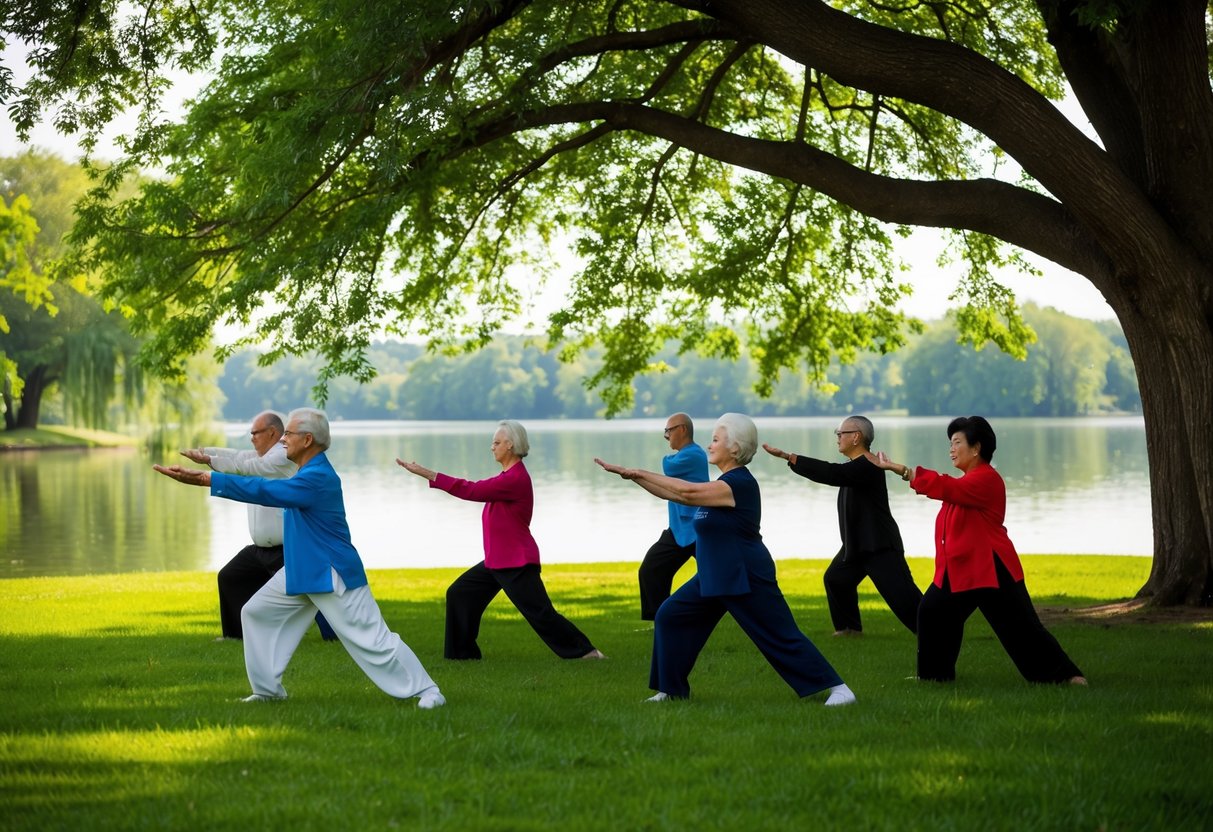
x: 63, y: 438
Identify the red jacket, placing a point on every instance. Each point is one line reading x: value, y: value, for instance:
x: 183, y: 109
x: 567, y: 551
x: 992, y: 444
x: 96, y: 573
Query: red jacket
x: 969, y: 529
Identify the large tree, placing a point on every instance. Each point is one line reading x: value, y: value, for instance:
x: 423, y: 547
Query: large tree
x: 54, y: 334
x: 711, y: 161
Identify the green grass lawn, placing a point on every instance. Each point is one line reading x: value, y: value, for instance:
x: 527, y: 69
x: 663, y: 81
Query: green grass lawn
x: 120, y: 712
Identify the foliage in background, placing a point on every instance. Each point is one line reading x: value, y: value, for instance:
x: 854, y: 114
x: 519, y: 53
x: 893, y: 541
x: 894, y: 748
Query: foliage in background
x: 728, y: 172
x: 63, y: 339
x: 63, y: 347
x: 1075, y: 368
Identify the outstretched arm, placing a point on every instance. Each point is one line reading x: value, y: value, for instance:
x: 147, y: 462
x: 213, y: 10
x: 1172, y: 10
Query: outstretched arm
x: 189, y: 476
x: 419, y: 470
x: 197, y: 455
x: 881, y: 460
x: 714, y: 494
x: 773, y: 451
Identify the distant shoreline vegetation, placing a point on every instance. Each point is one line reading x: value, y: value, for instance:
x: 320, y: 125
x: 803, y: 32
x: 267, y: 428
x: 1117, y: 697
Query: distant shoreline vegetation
x: 1077, y: 367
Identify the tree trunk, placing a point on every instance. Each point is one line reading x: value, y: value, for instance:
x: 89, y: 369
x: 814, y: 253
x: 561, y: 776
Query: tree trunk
x: 31, y: 399
x: 1174, y: 361
x: 10, y: 406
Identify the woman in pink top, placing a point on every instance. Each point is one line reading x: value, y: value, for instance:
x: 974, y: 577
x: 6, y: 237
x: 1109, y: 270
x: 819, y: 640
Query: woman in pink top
x: 511, y: 556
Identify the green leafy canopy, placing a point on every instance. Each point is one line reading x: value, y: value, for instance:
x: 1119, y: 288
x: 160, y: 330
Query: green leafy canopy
x: 355, y: 169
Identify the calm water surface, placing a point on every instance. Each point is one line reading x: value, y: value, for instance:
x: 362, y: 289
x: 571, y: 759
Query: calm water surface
x: 1074, y: 486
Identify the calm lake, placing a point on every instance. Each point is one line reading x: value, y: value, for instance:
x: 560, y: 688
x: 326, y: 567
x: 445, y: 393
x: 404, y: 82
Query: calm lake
x: 1074, y: 486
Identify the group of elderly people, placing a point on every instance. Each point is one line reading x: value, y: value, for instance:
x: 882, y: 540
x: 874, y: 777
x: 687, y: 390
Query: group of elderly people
x: 716, y: 521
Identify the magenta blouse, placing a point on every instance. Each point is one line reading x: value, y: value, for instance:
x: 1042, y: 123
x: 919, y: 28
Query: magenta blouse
x: 509, y: 501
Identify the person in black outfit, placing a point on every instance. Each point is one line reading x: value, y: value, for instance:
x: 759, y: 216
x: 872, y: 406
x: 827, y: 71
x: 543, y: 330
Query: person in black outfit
x: 871, y: 541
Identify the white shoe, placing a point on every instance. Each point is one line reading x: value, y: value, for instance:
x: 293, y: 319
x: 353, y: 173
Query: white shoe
x: 659, y: 697
x: 431, y: 698
x: 840, y: 695
x: 262, y: 697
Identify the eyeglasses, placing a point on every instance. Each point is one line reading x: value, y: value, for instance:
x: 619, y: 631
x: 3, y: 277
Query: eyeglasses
x: 666, y: 432
x: 293, y: 432
x: 845, y: 432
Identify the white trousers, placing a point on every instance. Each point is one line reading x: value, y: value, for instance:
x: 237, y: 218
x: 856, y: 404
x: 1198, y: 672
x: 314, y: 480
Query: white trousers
x: 274, y: 624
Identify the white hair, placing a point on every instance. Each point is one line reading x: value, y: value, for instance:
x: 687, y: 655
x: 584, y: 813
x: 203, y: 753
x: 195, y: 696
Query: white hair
x: 313, y: 421
x: 516, y: 433
x: 742, y: 436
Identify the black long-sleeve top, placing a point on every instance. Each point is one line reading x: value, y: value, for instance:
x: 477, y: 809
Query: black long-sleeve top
x: 864, y: 520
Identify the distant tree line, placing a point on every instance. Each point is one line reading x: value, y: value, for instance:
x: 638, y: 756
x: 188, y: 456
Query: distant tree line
x: 1076, y: 367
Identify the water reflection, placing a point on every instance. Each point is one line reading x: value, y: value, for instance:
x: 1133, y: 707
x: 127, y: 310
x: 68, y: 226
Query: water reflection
x: 75, y: 512
x: 1074, y: 486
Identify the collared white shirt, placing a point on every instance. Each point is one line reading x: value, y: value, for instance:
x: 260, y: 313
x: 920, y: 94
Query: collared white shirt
x: 264, y: 522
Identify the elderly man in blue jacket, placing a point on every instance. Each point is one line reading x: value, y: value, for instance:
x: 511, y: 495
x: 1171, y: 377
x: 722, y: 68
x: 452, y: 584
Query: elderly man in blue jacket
x: 322, y: 570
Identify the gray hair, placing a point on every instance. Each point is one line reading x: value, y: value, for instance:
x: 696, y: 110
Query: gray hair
x: 516, y: 433
x: 312, y: 421
x: 273, y: 419
x: 742, y: 434
x: 864, y: 425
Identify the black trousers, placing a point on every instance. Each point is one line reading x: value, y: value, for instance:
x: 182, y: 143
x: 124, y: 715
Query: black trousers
x: 1012, y: 617
x: 687, y: 619
x: 469, y: 596
x: 239, y: 581
x: 661, y: 563
x: 890, y: 575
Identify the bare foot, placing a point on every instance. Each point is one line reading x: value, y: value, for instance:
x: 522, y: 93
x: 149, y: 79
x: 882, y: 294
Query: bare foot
x: 1078, y: 680
x: 594, y: 654
x: 845, y: 633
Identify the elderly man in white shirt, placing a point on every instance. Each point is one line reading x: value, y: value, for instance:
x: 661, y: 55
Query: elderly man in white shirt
x: 255, y: 564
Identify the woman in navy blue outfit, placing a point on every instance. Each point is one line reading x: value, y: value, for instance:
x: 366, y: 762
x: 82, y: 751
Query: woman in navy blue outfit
x: 736, y: 576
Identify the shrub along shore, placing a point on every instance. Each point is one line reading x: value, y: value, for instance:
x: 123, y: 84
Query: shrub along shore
x: 121, y: 712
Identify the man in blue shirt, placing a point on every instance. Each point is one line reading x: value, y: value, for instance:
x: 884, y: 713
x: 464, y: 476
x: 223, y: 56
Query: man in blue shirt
x: 677, y: 543
x: 322, y: 571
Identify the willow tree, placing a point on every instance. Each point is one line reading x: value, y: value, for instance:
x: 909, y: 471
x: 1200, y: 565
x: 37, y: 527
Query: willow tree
x: 723, y: 169
x: 55, y: 336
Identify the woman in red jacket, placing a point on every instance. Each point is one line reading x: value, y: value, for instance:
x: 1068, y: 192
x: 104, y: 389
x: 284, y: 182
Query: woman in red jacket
x: 976, y: 566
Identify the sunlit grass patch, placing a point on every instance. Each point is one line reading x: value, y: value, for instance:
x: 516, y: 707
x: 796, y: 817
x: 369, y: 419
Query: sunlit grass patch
x: 120, y: 712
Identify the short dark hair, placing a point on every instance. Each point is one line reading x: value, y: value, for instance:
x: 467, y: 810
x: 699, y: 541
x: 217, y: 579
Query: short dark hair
x: 977, y: 431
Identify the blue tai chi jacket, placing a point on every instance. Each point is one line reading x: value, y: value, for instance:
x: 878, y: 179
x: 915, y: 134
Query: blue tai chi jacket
x: 316, y: 537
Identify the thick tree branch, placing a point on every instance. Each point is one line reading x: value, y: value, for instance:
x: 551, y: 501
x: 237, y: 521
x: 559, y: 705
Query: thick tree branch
x: 1098, y: 80
x: 1021, y: 217
x: 973, y: 89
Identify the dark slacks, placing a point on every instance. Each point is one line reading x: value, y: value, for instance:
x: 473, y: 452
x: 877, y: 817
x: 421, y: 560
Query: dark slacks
x: 470, y: 594
x: 661, y: 563
x: 239, y: 581
x: 1012, y: 617
x: 890, y: 575
x: 687, y: 619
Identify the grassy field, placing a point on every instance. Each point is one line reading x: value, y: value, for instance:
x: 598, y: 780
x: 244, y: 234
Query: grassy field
x: 120, y: 712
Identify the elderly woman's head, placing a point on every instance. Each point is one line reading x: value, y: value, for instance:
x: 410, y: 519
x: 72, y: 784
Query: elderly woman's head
x: 738, y: 436
x: 977, y: 433
x: 510, y: 440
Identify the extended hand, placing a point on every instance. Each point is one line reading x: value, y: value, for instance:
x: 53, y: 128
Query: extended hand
x: 773, y: 451
x: 189, y: 476
x: 880, y: 459
x: 419, y: 470
x: 197, y: 455
x: 611, y: 468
